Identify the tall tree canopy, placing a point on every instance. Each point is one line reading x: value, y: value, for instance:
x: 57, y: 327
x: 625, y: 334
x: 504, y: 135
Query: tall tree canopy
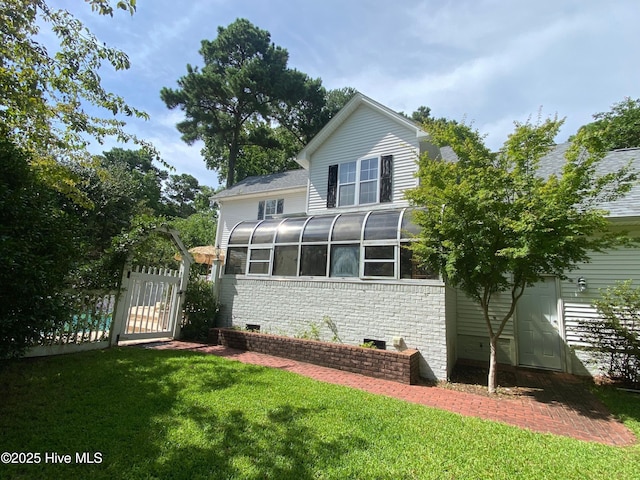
x: 252, y: 111
x: 491, y: 223
x: 617, y: 128
x: 43, y: 95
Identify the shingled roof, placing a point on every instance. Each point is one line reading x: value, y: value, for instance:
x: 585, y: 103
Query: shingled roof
x: 266, y: 183
x: 629, y: 205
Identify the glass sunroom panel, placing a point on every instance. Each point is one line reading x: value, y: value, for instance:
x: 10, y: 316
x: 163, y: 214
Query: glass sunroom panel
x: 313, y: 261
x: 289, y: 230
x: 265, y: 231
x: 236, y: 261
x: 348, y: 227
x: 285, y: 260
x: 379, y: 269
x: 382, y: 225
x: 408, y: 228
x: 409, y: 268
x: 317, y: 230
x: 345, y: 260
x: 240, y: 235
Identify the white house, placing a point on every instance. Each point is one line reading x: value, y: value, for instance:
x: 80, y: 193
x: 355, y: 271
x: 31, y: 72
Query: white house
x: 321, y: 248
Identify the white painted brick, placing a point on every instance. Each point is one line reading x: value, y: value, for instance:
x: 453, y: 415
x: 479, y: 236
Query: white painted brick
x: 380, y: 311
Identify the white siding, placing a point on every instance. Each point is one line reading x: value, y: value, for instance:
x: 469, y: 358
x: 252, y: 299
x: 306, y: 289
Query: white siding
x: 604, y: 270
x: 473, y: 339
x: 366, y: 132
x: 471, y: 320
x: 237, y: 210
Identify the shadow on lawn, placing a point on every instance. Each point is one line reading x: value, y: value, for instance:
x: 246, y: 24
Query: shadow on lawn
x: 136, y: 410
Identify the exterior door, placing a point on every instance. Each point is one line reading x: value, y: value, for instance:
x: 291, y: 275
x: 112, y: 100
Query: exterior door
x: 539, y: 342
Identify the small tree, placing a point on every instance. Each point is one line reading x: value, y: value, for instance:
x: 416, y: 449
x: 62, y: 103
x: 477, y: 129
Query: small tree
x: 616, y: 333
x: 491, y: 223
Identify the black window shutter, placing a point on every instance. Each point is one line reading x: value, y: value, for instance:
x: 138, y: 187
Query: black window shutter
x: 280, y: 206
x: 386, y: 179
x: 261, y: 210
x: 332, y: 186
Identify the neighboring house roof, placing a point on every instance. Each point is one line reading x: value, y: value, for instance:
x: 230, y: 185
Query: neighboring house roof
x: 292, y: 179
x: 356, y: 101
x: 627, y: 206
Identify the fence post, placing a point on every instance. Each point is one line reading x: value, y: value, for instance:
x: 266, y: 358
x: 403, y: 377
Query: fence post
x: 121, y: 311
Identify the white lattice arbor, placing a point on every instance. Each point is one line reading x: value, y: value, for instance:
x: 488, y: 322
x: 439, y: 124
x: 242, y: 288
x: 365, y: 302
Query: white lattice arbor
x: 150, y: 300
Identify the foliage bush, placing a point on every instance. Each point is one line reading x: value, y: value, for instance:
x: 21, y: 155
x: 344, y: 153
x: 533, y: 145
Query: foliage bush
x: 200, y: 310
x: 616, y: 333
x: 37, y: 250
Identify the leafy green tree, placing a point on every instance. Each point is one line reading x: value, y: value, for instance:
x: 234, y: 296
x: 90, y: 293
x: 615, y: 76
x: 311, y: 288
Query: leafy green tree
x: 43, y: 95
x: 252, y: 111
x: 181, y: 191
x: 37, y: 250
x: 617, y: 128
x: 243, y: 75
x: 139, y: 167
x: 492, y: 224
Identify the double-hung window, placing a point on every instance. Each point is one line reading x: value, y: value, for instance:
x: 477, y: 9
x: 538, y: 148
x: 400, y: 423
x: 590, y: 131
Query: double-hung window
x: 347, y: 183
x: 360, y: 182
x: 269, y: 208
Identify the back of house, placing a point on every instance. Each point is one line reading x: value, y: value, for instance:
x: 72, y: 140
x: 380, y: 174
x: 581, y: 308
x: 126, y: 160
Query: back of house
x: 323, y: 248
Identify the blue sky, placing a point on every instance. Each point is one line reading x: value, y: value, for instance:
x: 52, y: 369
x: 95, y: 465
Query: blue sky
x: 490, y: 62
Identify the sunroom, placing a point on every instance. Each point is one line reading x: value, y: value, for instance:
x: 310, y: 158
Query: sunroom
x: 363, y: 245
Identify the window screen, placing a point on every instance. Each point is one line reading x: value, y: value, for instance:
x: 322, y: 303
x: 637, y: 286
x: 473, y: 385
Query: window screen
x: 236, y: 261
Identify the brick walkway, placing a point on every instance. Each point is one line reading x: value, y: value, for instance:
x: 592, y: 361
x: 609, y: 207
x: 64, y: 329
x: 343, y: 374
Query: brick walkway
x: 560, y: 404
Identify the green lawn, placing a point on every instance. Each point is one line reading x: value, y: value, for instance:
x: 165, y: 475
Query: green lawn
x: 171, y: 415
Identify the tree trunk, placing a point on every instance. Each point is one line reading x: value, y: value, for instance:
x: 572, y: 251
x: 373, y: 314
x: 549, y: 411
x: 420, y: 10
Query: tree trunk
x: 493, y: 346
x: 231, y: 168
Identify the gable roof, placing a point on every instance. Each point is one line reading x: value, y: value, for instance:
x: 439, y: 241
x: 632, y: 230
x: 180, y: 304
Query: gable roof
x: 290, y: 180
x: 358, y: 99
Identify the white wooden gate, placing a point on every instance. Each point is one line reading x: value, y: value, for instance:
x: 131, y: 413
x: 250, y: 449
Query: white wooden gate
x: 150, y: 304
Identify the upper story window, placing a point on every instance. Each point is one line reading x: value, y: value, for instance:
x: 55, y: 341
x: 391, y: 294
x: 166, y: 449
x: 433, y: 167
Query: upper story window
x: 360, y: 182
x: 268, y: 208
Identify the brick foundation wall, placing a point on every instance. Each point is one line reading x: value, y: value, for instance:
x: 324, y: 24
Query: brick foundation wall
x: 357, y: 310
x: 400, y: 367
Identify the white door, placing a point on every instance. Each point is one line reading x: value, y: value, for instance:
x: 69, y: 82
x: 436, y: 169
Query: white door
x: 539, y: 342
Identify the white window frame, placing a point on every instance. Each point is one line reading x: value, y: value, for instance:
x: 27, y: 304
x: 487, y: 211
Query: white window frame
x: 274, y: 203
x: 393, y: 259
x: 267, y: 261
x: 358, y: 182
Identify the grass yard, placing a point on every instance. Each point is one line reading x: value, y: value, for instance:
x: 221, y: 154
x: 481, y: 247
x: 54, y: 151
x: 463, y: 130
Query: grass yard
x: 185, y: 415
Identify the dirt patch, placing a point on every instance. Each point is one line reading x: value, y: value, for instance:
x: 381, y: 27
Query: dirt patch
x: 518, y: 382
x: 472, y: 379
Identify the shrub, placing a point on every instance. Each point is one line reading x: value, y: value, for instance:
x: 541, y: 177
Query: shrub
x: 616, y: 333
x: 37, y: 250
x: 199, y: 311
